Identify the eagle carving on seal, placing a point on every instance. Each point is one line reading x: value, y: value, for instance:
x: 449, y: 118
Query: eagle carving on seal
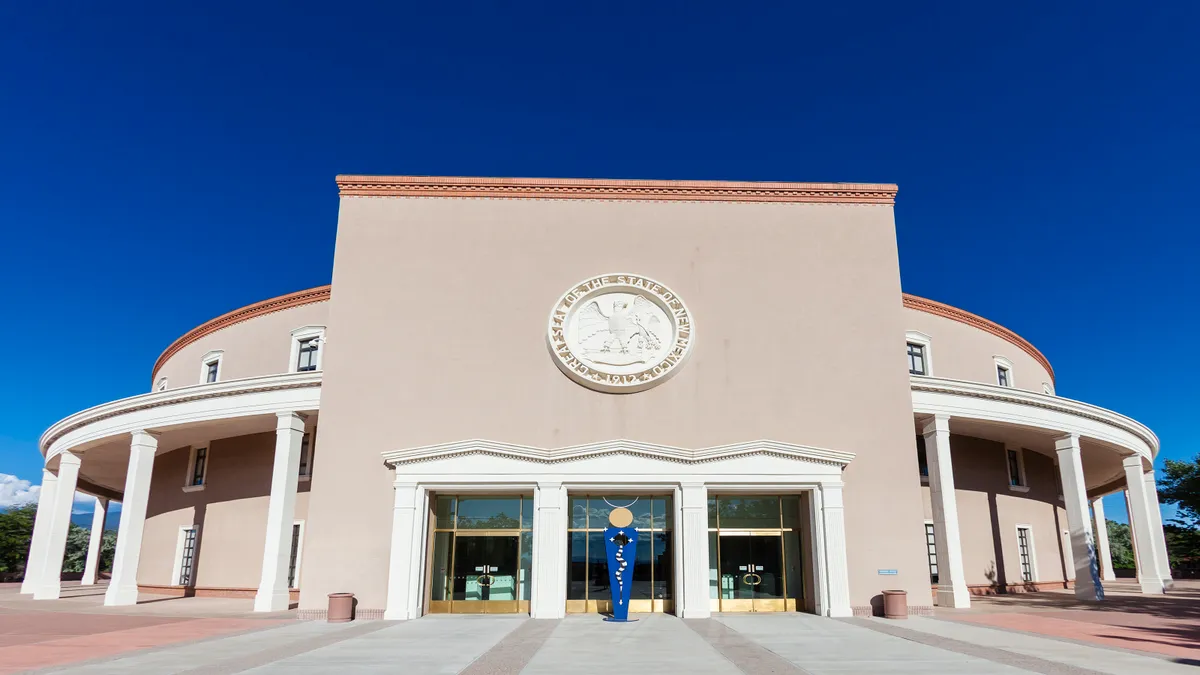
x: 628, y: 334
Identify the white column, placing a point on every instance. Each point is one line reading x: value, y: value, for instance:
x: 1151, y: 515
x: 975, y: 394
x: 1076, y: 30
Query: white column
x: 1101, y: 523
x: 273, y: 593
x: 548, y: 597
x: 404, y: 561
x: 41, y: 529
x: 123, y: 589
x: 952, y: 584
x: 1157, y: 534
x: 1079, y: 521
x: 49, y: 579
x: 694, y: 506
x: 92, y: 566
x: 1141, y: 528
x: 837, y: 571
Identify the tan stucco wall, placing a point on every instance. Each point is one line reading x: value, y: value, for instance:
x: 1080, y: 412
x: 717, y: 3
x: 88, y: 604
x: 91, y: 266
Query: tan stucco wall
x: 989, y: 511
x: 437, y: 333
x: 257, y: 346
x: 231, y: 511
x: 963, y: 352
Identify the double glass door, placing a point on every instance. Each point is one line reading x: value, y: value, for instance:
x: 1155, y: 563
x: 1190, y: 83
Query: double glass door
x: 481, y: 554
x: 752, y: 572
x: 485, y: 570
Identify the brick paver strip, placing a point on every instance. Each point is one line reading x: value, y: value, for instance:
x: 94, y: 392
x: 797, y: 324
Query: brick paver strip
x: 1106, y: 631
x: 747, y: 655
x: 514, y: 651
x: 1002, y: 656
x: 243, y: 663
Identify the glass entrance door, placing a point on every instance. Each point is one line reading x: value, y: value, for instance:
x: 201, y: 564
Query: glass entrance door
x: 485, y: 573
x: 752, y: 572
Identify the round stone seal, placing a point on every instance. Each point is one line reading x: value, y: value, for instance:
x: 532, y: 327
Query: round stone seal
x: 620, y: 333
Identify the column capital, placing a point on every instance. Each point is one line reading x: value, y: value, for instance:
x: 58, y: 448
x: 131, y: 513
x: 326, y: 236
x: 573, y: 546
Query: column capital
x: 143, y: 437
x: 1066, y: 441
x: 68, y: 457
x: 549, y: 484
x: 289, y: 419
x: 935, y: 424
x: 1131, y: 461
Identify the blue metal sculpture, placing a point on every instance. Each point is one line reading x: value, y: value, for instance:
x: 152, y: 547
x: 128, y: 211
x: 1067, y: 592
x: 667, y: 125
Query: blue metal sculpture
x: 621, y: 545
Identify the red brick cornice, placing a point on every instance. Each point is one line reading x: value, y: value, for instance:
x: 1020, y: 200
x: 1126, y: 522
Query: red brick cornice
x: 962, y: 316
x: 635, y: 190
x: 306, y: 297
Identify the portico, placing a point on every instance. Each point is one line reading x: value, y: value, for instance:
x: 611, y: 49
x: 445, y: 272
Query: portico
x: 555, y: 479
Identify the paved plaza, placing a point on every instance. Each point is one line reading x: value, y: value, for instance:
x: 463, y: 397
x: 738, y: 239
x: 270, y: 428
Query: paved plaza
x: 1042, y: 633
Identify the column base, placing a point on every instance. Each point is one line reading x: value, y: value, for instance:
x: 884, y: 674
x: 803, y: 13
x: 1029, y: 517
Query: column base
x: 47, y: 592
x: 698, y: 613
x: 272, y: 601
x: 1088, y: 591
x: 121, y: 596
x: 28, y: 586
x: 840, y: 612
x: 953, y: 596
x: 1151, y: 586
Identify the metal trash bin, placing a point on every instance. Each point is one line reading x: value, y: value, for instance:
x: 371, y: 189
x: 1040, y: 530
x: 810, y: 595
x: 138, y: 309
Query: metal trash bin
x: 895, y: 604
x: 341, y: 608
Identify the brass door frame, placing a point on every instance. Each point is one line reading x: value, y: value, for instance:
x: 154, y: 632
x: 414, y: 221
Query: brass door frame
x: 784, y: 604
x: 472, y: 606
x: 636, y: 605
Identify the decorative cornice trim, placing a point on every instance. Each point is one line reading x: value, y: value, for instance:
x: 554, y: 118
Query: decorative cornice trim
x: 196, y: 392
x: 962, y: 316
x: 280, y: 303
x: 625, y: 190
x: 994, y: 392
x: 616, y: 447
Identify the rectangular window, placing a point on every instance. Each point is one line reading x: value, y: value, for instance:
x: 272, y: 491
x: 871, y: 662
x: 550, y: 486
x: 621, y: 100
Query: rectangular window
x: 931, y: 551
x: 1015, y: 475
x: 211, y: 371
x: 922, y: 457
x: 1002, y: 376
x: 306, y: 359
x: 187, y: 557
x: 295, y: 553
x: 916, y: 359
x: 306, y: 455
x: 1026, y: 556
x: 199, y: 466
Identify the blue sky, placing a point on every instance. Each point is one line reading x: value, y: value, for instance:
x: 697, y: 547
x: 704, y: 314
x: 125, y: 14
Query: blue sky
x: 162, y: 165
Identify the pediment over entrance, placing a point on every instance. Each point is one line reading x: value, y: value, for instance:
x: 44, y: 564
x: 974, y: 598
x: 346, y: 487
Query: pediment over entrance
x: 766, y: 448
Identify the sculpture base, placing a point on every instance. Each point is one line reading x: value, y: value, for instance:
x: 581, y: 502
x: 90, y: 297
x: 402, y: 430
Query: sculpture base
x: 616, y: 620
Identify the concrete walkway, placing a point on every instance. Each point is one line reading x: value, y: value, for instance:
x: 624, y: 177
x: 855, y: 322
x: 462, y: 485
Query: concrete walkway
x: 586, y: 645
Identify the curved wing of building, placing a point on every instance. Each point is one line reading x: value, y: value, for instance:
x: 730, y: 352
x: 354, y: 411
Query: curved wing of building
x: 504, y: 368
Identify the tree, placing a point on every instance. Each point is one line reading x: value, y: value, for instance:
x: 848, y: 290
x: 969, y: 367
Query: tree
x: 1180, y: 485
x: 1120, y: 547
x: 16, y: 529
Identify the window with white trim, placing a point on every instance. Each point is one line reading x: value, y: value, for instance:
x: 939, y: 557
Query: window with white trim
x: 185, y: 557
x: 931, y: 551
x: 197, y: 473
x: 1047, y: 389
x: 161, y: 385
x: 210, y: 367
x: 307, y: 344
x: 1015, y: 459
x: 307, y: 441
x: 920, y: 355
x: 1025, y: 552
x: 1004, y: 371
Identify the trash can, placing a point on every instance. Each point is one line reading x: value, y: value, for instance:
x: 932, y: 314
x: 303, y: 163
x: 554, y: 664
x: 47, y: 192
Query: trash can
x: 895, y: 604
x: 341, y: 608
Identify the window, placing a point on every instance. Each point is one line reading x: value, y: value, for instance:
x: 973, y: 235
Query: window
x: 210, y: 367
x: 920, y: 353
x: 161, y: 385
x: 308, y: 355
x: 922, y: 459
x: 306, y: 349
x: 1025, y: 552
x: 197, y: 470
x: 931, y: 551
x: 1016, y: 469
x: 306, y: 454
x: 294, y: 561
x: 1004, y: 371
x: 916, y: 359
x: 185, y: 556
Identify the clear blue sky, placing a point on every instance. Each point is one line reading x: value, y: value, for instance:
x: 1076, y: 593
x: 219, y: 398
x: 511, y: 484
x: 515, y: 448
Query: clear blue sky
x: 160, y: 166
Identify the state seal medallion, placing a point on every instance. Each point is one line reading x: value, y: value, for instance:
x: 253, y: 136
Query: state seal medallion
x: 620, y: 333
